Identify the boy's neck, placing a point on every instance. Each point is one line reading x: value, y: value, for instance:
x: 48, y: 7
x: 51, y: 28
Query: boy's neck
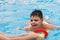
x: 37, y: 28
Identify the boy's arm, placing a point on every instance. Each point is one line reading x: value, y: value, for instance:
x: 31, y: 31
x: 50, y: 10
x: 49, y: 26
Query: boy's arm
x: 50, y: 26
x: 30, y: 36
x: 3, y: 36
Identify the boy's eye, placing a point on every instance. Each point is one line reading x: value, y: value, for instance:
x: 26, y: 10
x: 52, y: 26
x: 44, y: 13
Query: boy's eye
x: 31, y: 20
x: 36, y: 20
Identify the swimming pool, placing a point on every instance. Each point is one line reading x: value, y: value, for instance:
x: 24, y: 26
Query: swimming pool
x: 15, y: 13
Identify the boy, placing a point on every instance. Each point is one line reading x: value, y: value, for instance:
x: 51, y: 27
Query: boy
x: 36, y: 22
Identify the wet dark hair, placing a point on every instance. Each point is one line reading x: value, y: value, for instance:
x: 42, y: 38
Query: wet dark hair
x: 37, y: 13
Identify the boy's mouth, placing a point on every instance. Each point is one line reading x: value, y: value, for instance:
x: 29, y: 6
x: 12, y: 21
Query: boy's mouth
x: 34, y: 24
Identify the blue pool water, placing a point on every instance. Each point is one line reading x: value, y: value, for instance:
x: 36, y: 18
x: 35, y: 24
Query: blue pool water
x: 15, y: 13
x: 54, y: 35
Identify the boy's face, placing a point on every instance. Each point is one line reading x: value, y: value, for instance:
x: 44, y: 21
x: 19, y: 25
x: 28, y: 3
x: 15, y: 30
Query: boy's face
x: 36, y: 21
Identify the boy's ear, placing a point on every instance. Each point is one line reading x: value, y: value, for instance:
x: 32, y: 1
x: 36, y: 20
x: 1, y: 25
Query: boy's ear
x: 42, y: 19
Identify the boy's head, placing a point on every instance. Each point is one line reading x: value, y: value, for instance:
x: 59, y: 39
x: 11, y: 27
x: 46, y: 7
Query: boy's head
x: 36, y: 18
x: 37, y: 13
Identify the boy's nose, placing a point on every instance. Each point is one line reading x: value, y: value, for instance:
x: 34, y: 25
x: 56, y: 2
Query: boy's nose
x: 33, y: 21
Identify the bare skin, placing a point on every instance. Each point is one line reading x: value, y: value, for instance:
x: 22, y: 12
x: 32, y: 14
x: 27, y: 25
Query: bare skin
x: 3, y: 36
x: 31, y: 36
